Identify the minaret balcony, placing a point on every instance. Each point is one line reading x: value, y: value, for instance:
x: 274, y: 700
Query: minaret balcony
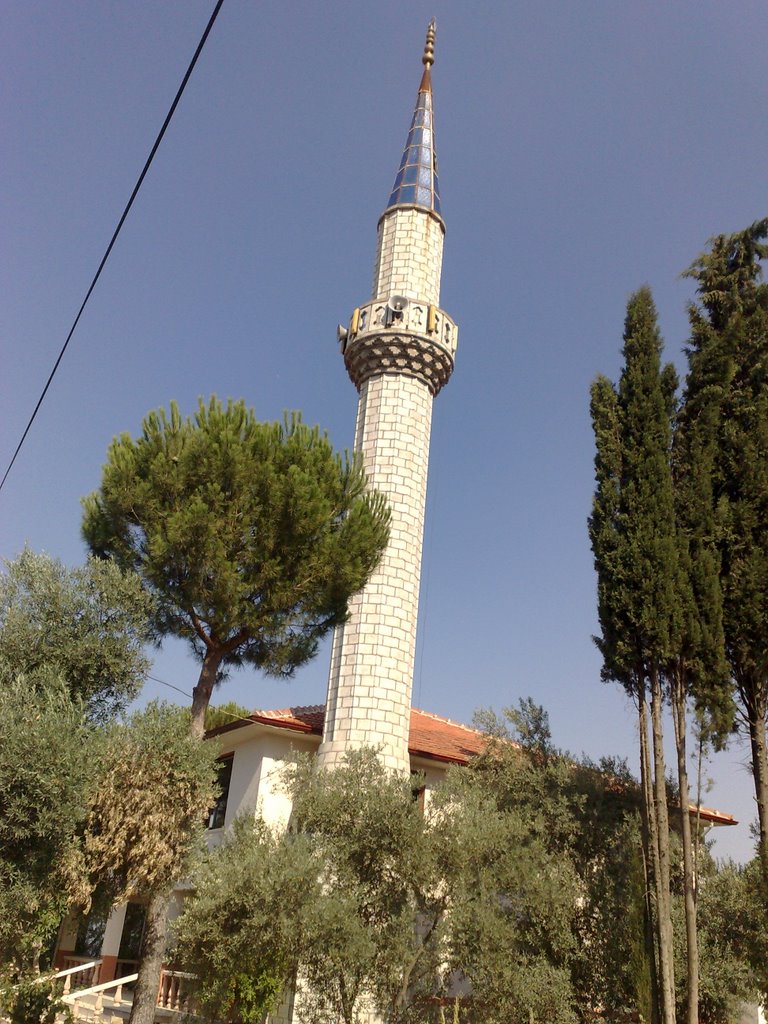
x: 400, y: 335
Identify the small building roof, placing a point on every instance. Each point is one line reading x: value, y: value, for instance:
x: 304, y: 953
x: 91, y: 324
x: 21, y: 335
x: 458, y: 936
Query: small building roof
x: 431, y: 737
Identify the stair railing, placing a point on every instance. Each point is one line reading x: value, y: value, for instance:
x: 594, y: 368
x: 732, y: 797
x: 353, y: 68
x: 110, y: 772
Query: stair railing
x: 75, y: 998
x: 89, y: 969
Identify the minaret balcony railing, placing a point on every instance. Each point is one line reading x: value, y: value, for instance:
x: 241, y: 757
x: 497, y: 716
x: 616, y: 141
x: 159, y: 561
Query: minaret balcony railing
x: 400, y: 335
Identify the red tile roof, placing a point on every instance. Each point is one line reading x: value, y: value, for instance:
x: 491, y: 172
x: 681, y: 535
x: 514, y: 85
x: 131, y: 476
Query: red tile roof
x: 443, y: 740
x: 712, y: 816
x: 431, y: 736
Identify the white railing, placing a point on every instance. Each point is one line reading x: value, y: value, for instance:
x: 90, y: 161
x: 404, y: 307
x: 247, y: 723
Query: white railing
x: 75, y: 965
x: 76, y: 998
x: 173, y: 994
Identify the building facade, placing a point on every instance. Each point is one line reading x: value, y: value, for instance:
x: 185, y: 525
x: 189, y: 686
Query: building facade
x: 399, y: 349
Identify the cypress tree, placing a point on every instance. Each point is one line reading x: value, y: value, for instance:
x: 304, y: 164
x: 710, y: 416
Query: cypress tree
x: 699, y: 671
x: 727, y: 400
x: 634, y: 540
x: 682, y: 556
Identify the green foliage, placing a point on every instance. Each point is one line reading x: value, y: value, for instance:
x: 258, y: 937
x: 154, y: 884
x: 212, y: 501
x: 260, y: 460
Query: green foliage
x: 34, y: 1001
x: 727, y: 277
x: 657, y: 592
x: 530, y: 723
x: 727, y: 392
x: 88, y: 624
x: 376, y: 868
x: 251, y: 535
x: 728, y: 385
x: 632, y: 526
x: 510, y: 922
x: 527, y: 776
x: 241, y: 931
x: 586, y: 815
x: 703, y: 647
x: 519, y: 880
x: 224, y: 714
x: 733, y: 938
x: 589, y: 814
x: 612, y: 968
x: 147, y: 814
x: 371, y: 900
x: 604, y: 524
x: 119, y: 811
x: 47, y: 769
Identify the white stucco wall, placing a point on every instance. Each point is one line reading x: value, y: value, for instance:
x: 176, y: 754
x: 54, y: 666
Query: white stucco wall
x: 260, y: 754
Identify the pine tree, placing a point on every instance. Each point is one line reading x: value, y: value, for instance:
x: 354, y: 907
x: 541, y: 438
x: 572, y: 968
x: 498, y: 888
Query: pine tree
x: 250, y: 536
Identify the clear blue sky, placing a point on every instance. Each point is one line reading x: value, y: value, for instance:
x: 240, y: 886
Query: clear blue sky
x: 585, y: 149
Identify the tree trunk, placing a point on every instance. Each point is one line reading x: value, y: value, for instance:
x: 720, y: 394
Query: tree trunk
x: 757, y: 740
x: 689, y: 878
x: 348, y: 1000
x: 699, y: 790
x: 153, y: 952
x: 650, y: 852
x: 152, y: 956
x: 662, y: 838
x: 201, y: 695
x: 648, y: 1001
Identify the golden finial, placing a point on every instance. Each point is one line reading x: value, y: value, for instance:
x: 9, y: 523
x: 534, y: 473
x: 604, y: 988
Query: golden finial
x: 429, y: 47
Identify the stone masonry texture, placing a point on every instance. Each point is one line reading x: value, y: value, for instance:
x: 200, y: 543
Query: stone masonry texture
x: 369, y: 693
x: 373, y: 653
x: 410, y: 256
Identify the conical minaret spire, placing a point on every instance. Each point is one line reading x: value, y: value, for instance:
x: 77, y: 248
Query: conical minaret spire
x: 399, y: 351
x: 416, y: 181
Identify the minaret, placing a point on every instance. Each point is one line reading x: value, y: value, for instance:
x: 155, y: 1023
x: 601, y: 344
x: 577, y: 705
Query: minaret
x: 399, y: 351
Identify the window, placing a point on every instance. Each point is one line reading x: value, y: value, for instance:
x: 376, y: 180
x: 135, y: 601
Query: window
x: 219, y: 810
x: 90, y: 934
x: 418, y: 788
x: 133, y: 932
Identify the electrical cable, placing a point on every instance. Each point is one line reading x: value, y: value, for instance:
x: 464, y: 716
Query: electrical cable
x: 170, y: 686
x: 105, y: 257
x: 221, y: 710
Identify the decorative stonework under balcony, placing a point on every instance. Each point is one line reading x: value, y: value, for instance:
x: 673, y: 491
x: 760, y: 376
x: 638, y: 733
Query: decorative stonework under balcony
x: 400, y: 335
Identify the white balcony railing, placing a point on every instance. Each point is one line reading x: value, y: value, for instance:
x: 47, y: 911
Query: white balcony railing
x: 174, y: 994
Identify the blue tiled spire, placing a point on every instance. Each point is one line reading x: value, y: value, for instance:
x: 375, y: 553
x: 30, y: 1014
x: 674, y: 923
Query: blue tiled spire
x: 416, y: 183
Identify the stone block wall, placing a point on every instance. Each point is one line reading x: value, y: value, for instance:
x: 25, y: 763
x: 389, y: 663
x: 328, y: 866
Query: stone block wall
x: 372, y: 660
x: 410, y: 256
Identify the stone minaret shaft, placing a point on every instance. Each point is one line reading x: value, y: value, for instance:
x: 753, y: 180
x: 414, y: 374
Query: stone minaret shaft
x: 399, y: 351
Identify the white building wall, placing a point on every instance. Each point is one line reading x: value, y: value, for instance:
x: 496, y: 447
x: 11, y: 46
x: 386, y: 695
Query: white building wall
x: 260, y: 757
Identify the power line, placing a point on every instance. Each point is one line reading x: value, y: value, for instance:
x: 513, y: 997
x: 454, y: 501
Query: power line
x: 170, y: 686
x: 105, y: 257
x: 221, y: 710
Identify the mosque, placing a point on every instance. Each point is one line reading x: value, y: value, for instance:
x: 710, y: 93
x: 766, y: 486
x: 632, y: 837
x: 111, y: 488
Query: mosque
x: 399, y: 349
